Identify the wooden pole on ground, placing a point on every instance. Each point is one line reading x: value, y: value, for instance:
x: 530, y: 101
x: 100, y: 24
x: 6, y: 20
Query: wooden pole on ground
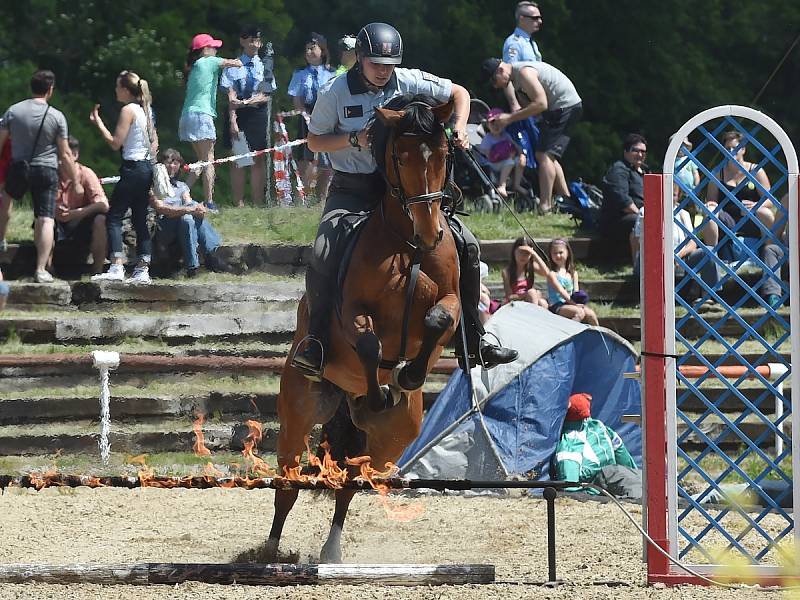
x: 249, y: 574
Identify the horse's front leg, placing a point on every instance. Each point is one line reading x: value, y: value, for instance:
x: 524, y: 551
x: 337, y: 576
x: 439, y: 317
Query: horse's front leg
x: 440, y: 319
x: 369, y: 351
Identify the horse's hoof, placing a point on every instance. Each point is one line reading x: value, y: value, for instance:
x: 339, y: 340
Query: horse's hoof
x: 389, y: 398
x: 330, y: 555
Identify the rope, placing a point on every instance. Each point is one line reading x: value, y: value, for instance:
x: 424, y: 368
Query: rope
x: 776, y: 69
x: 203, y: 164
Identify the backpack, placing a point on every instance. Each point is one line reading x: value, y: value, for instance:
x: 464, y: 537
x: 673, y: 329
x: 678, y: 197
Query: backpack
x: 583, y: 205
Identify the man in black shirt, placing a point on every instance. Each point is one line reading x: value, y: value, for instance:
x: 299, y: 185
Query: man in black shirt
x: 623, y: 195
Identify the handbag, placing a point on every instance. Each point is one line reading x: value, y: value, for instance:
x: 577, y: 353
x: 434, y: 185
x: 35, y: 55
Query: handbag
x: 162, y: 186
x: 18, y: 177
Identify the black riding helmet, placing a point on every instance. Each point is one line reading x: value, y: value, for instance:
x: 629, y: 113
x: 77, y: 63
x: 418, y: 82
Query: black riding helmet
x: 380, y: 43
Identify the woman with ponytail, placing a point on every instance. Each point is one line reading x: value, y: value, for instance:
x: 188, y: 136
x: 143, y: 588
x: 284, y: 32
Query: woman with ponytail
x: 203, y: 68
x: 135, y: 134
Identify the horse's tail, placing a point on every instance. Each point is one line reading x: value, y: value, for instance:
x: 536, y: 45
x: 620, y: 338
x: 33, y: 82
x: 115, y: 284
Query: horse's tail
x: 344, y: 438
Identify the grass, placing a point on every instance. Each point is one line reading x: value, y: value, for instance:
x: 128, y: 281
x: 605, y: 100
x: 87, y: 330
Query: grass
x: 299, y: 225
x: 752, y: 465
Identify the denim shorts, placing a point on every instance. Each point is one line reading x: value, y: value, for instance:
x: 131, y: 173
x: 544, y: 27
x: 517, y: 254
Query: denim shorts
x: 196, y: 126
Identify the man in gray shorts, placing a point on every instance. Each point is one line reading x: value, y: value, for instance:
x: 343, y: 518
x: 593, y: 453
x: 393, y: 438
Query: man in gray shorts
x: 23, y: 122
x: 338, y: 126
x: 542, y: 90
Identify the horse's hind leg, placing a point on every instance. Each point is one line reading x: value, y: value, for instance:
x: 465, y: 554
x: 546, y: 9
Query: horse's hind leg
x: 368, y: 349
x: 437, y: 321
x: 332, y: 550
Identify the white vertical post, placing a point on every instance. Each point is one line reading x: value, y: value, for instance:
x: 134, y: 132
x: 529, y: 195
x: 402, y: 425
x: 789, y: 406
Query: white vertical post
x: 103, y: 361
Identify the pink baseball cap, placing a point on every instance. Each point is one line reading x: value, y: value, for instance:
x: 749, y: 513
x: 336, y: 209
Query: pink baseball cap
x: 203, y: 40
x: 495, y: 112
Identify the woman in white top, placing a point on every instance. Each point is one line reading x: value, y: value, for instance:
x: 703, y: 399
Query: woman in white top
x: 136, y: 135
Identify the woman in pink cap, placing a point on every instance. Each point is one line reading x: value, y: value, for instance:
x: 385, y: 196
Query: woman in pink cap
x: 202, y: 72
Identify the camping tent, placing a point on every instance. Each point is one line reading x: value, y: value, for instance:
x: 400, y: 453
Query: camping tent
x: 512, y: 424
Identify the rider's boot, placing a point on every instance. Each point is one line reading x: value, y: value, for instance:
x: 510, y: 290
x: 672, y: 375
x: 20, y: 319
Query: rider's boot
x: 309, y: 357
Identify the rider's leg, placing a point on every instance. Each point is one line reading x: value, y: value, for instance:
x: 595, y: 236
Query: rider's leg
x: 350, y: 198
x: 478, y: 350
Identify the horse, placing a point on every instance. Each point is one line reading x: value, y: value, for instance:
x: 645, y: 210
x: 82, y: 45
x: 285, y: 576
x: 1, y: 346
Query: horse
x: 381, y: 313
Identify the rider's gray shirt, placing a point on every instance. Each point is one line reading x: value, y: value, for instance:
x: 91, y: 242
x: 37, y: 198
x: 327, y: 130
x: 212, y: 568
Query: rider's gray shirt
x: 345, y: 104
x: 558, y: 88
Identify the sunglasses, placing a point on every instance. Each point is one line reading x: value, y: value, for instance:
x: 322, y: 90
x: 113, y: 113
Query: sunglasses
x: 638, y: 150
x: 532, y: 17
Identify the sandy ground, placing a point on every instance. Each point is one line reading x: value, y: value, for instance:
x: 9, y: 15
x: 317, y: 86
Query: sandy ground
x: 595, y: 542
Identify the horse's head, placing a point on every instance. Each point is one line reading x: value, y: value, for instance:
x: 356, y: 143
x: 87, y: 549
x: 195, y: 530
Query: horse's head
x: 411, y: 148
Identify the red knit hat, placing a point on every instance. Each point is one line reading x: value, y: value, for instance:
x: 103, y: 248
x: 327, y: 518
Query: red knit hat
x: 579, y: 407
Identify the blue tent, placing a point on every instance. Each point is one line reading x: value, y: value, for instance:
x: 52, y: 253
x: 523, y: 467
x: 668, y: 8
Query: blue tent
x: 511, y: 424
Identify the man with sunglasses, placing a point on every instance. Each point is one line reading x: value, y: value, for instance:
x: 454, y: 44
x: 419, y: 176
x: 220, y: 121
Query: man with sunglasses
x: 520, y: 45
x: 623, y: 195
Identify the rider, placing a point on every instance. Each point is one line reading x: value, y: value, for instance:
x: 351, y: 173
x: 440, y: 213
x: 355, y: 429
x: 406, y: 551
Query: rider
x: 339, y: 127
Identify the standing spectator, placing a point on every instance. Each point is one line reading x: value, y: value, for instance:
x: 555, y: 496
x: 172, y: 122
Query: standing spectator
x: 623, y: 196
x: 82, y: 217
x: 135, y: 134
x: 6, y: 201
x: 39, y: 134
x: 249, y: 88
x: 562, y: 285
x: 196, y: 125
x: 347, y: 53
x: 181, y: 218
x: 545, y: 91
x: 304, y: 89
x: 519, y: 274
x: 520, y: 45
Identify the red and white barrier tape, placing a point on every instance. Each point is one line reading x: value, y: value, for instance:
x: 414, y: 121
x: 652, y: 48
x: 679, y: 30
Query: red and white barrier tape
x: 202, y: 164
x: 109, y: 180
x: 282, y: 163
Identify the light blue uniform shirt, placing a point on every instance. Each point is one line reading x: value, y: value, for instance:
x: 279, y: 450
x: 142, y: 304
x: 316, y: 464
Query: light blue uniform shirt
x: 236, y: 77
x: 346, y: 105
x: 307, y: 83
x: 519, y: 46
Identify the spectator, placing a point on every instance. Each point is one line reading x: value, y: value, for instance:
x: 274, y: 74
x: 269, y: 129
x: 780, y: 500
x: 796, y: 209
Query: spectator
x: 304, y: 89
x: 562, y: 285
x: 347, y: 53
x: 182, y: 219
x: 519, y: 273
x: 623, y: 196
x: 688, y: 174
x: 135, y: 134
x: 746, y: 215
x: 202, y: 71
x: 249, y: 88
x: 82, y: 217
x: 684, y: 247
x: 503, y: 154
x: 38, y: 134
x: 4, y: 291
x: 587, y: 445
x: 545, y: 91
x: 6, y: 201
x: 486, y: 306
x: 520, y: 45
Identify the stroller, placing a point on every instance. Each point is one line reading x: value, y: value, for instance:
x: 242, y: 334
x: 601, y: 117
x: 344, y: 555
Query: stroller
x: 481, y: 196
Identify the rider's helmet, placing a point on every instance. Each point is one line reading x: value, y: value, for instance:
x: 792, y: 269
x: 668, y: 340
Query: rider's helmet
x: 380, y: 43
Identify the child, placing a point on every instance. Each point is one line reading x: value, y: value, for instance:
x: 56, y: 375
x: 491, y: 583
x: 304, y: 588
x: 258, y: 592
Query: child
x: 562, y: 282
x: 519, y: 273
x: 502, y: 153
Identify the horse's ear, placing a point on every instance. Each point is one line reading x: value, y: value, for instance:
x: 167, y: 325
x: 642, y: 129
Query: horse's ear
x: 389, y: 117
x: 443, y: 112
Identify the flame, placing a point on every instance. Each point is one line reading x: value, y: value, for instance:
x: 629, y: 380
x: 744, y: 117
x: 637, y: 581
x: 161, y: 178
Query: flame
x: 255, y: 463
x: 330, y: 472
x: 199, y: 446
x: 403, y: 513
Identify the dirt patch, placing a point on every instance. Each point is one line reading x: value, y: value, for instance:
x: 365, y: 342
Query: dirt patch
x: 595, y: 542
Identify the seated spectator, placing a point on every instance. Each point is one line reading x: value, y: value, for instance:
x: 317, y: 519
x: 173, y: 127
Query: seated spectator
x: 587, y: 445
x: 518, y: 275
x: 745, y: 215
x: 623, y: 196
x: 486, y: 306
x: 687, y: 173
x: 4, y: 291
x: 81, y: 218
x: 683, y: 246
x: 566, y: 298
x: 181, y: 218
x: 503, y: 154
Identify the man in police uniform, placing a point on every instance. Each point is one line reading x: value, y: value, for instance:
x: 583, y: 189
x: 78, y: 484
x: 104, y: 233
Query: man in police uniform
x: 339, y: 127
x: 520, y: 45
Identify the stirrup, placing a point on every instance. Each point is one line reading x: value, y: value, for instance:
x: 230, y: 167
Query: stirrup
x: 307, y: 371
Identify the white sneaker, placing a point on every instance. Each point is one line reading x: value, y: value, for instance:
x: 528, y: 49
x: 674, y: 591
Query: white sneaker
x: 140, y: 275
x: 42, y: 277
x: 114, y: 273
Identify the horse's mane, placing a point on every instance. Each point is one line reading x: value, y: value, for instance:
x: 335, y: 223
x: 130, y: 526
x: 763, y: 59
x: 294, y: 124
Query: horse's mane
x: 418, y: 120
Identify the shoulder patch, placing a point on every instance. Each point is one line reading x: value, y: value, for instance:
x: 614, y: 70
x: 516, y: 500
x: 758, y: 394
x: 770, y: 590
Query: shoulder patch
x: 429, y: 77
x: 513, y: 52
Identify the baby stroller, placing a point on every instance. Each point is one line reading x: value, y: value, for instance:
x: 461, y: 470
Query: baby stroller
x: 480, y: 195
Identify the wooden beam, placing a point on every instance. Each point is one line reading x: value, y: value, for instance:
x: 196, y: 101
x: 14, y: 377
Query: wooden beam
x: 249, y: 574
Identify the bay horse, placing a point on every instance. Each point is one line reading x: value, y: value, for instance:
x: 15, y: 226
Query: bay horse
x: 383, y: 397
